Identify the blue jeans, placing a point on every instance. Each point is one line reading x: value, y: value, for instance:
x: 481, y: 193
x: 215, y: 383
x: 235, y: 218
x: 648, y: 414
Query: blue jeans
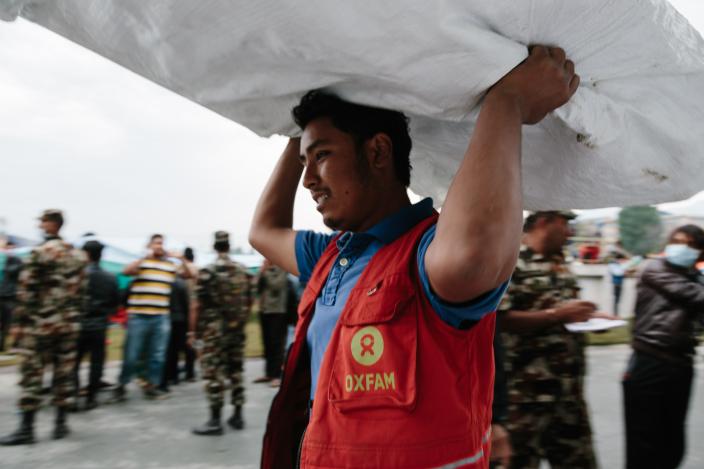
x: 150, y: 332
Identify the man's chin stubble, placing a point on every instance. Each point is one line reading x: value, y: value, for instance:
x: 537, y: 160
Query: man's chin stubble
x: 331, y: 223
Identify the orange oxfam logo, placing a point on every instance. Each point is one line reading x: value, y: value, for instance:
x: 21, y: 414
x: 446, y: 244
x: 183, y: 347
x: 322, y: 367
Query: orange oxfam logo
x: 367, y: 346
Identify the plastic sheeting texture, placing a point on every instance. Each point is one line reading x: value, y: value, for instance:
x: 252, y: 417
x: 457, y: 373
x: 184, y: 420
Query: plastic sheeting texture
x: 632, y: 134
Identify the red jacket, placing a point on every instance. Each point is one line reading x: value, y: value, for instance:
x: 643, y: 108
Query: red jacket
x: 398, y: 387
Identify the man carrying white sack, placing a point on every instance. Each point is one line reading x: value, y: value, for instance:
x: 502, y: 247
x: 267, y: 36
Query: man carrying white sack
x: 392, y: 362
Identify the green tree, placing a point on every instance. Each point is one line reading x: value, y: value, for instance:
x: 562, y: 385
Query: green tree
x: 640, y: 229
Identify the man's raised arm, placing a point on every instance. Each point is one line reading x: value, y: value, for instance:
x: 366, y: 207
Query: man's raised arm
x: 479, y: 230
x: 271, y: 232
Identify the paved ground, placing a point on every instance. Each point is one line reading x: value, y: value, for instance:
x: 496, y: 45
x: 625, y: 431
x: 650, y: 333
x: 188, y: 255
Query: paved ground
x: 143, y: 434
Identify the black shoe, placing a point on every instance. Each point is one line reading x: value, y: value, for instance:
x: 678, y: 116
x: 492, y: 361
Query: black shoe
x: 213, y: 426
x: 106, y: 385
x: 91, y: 404
x: 119, y: 394
x: 236, y: 421
x: 61, y: 430
x: 24, y: 435
x: 73, y: 408
x: 155, y: 394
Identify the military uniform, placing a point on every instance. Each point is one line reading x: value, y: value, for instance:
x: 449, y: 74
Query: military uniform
x: 547, y: 416
x: 51, y: 296
x: 273, y: 295
x: 223, y: 295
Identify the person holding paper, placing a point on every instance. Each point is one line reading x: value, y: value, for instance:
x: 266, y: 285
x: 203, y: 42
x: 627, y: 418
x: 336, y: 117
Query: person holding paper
x: 545, y: 364
x: 392, y: 363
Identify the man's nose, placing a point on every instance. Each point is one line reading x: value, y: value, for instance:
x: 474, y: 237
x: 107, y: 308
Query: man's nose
x: 310, y: 175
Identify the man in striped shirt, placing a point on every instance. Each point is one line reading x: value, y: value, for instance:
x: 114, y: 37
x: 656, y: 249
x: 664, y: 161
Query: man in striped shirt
x: 148, y: 324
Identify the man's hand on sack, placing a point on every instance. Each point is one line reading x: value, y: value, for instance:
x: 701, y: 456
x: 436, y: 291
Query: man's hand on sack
x: 541, y: 83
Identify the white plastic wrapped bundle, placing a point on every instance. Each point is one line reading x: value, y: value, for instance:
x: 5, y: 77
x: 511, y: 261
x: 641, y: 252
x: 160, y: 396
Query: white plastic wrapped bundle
x: 632, y: 134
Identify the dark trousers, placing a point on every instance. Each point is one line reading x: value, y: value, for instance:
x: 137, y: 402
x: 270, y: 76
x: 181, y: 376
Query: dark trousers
x: 656, y: 398
x: 92, y: 343
x: 274, y: 330
x: 6, y: 307
x: 617, y: 297
x: 177, y: 344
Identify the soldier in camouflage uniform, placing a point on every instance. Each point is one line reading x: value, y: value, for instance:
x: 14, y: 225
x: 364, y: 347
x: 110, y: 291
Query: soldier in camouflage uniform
x: 51, y: 296
x: 545, y: 364
x: 223, y: 298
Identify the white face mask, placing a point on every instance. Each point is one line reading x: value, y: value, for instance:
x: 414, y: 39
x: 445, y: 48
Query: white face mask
x: 681, y: 255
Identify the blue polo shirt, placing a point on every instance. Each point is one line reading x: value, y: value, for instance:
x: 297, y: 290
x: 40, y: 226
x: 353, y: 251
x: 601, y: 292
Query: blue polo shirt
x: 355, y: 251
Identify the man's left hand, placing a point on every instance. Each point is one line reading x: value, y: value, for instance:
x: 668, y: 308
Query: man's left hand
x: 500, y: 445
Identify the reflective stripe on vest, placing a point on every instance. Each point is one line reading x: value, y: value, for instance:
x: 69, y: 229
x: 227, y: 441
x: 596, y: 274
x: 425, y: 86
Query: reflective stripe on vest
x: 476, y: 457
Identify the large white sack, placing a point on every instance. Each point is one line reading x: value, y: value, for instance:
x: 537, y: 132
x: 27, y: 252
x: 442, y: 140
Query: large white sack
x: 632, y: 134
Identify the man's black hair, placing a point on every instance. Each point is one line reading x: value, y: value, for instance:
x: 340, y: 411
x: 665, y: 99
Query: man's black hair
x: 155, y: 236
x: 692, y: 231
x: 94, y: 249
x: 362, y: 123
x: 188, y: 254
x: 222, y: 246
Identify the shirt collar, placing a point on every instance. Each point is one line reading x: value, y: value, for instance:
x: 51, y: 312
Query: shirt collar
x: 393, y: 226
x: 390, y: 228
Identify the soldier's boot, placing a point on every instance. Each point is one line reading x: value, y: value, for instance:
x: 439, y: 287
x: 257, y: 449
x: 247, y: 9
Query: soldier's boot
x: 91, y: 402
x: 24, y: 435
x: 61, y: 429
x: 119, y: 394
x: 236, y: 421
x: 213, y: 426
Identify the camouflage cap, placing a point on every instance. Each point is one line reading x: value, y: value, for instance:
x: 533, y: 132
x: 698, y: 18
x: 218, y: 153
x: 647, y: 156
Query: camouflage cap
x: 222, y: 237
x: 567, y: 214
x: 52, y: 214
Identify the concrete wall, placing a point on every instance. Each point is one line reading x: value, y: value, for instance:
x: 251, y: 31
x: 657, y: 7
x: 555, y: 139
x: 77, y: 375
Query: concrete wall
x: 595, y: 281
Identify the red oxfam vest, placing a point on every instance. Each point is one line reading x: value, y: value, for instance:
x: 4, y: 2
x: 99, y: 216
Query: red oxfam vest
x: 398, y: 387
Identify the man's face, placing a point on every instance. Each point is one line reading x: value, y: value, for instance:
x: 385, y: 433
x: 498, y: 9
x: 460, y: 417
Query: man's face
x: 557, y: 231
x: 337, y: 176
x: 48, y: 227
x: 157, y: 247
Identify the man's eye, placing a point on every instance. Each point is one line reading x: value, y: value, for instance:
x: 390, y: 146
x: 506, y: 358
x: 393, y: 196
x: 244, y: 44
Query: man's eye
x: 321, y: 154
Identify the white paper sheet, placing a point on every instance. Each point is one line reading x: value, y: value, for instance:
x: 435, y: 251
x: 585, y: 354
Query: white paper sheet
x: 595, y: 324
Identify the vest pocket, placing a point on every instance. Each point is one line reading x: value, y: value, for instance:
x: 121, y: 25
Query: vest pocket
x: 375, y: 361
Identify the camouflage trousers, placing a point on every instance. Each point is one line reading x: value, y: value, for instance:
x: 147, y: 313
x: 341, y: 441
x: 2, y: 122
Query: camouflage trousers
x: 59, y: 350
x: 222, y: 360
x: 556, y: 431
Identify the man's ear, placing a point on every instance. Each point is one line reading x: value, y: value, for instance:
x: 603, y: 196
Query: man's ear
x: 380, y: 151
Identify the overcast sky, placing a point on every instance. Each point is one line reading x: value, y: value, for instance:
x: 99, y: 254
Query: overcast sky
x: 124, y: 157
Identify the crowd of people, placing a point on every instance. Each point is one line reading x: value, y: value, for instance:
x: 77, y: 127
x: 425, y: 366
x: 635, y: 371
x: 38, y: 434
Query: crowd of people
x: 60, y: 301
x: 424, y: 339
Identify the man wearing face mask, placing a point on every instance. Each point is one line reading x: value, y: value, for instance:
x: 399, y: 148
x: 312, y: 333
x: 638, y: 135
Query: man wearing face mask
x: 658, y: 379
